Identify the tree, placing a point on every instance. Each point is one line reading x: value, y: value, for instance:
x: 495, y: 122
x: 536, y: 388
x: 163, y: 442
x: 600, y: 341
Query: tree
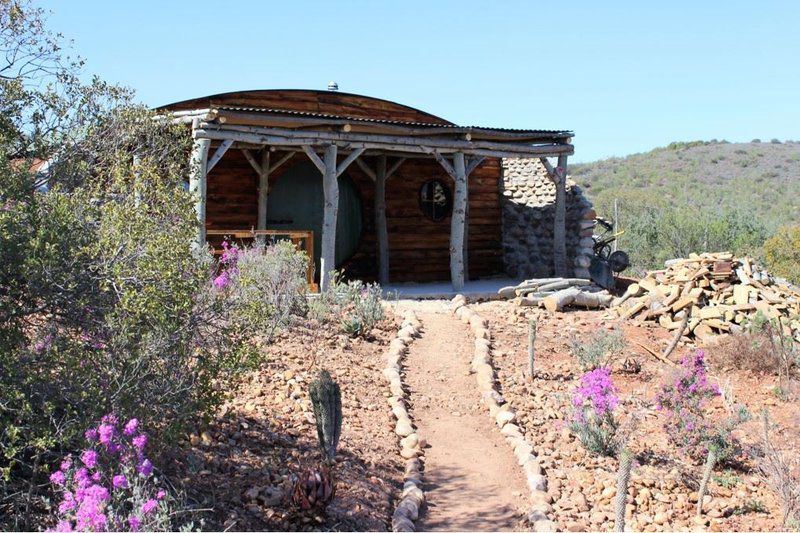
x: 782, y: 253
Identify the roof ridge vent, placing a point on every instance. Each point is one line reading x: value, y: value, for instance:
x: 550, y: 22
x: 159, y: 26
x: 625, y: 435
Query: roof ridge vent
x: 333, y: 86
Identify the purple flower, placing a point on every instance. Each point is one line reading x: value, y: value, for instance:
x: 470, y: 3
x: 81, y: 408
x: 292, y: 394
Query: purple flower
x: 97, y: 476
x: 66, y: 463
x: 145, y: 467
x: 131, y: 427
x: 160, y: 494
x: 57, y: 478
x: 119, y: 482
x: 64, y: 525
x: 149, y: 506
x: 134, y: 523
x: 140, y: 441
x: 89, y: 458
x: 67, y: 504
x: 82, y: 478
x: 91, y: 434
x: 221, y: 281
x: 106, y: 433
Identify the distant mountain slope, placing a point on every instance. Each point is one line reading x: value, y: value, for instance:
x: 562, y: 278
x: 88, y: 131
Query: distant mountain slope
x: 762, y: 177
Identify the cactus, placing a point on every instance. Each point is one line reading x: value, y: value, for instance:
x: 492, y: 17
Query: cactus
x: 711, y: 460
x: 531, y: 351
x: 623, y: 476
x: 326, y: 400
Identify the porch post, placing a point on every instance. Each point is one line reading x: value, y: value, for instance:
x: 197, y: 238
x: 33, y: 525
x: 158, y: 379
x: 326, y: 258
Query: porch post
x: 380, y: 221
x: 330, y: 187
x: 197, y: 183
x: 559, y: 221
x: 458, y: 222
x: 263, y: 190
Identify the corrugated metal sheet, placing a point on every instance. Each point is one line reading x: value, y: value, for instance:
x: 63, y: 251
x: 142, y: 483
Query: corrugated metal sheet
x: 311, y: 114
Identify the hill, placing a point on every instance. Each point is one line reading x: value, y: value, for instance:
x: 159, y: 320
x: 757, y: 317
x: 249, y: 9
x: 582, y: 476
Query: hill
x: 697, y: 196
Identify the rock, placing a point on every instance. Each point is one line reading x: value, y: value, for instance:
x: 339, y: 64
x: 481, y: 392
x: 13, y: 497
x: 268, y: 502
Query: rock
x: 536, y: 482
x: 545, y: 526
x: 402, y: 523
x: 252, y: 493
x: 409, y: 453
x: 403, y: 428
x: 504, y: 417
x: 660, y: 518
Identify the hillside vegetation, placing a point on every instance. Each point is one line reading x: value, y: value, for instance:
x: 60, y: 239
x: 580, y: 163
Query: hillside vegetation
x: 697, y: 196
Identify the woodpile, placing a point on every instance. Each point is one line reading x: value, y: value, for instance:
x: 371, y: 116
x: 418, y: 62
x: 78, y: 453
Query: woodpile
x: 713, y: 293
x: 554, y: 294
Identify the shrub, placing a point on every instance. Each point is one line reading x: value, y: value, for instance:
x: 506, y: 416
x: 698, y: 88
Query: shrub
x: 593, y: 404
x: 782, y: 253
x: 264, y: 286
x: 781, y: 472
x: 762, y: 348
x: 110, y: 485
x: 683, y: 398
x: 354, y: 306
x: 599, y: 350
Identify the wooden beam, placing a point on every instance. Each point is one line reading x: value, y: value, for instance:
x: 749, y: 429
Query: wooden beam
x: 280, y: 162
x: 283, y: 136
x: 551, y: 172
x: 330, y: 188
x: 312, y: 155
x: 560, y: 219
x: 445, y: 163
x: 220, y: 151
x: 406, y: 149
x: 263, y: 191
x: 349, y: 159
x: 198, y: 185
x: 252, y: 160
x: 474, y: 162
x: 381, y: 230
x: 458, y: 223
x: 395, y: 166
x: 368, y: 171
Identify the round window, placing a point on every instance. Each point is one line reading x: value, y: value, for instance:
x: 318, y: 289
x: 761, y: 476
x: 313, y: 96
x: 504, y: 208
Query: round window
x: 435, y: 200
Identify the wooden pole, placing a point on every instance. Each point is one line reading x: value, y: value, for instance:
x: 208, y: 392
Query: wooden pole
x: 616, y: 222
x: 263, y: 194
x: 458, y: 222
x: 330, y: 187
x: 380, y: 221
x: 560, y: 219
x: 197, y: 183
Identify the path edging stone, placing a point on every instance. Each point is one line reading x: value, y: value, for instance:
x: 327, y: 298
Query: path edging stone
x: 411, y: 445
x: 504, y: 416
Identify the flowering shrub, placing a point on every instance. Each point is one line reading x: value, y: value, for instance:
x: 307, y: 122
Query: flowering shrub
x: 110, y: 485
x: 354, y: 305
x: 593, y: 404
x: 228, y: 264
x: 683, y: 399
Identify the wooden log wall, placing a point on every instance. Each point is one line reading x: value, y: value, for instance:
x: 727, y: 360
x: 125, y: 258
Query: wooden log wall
x: 419, y: 248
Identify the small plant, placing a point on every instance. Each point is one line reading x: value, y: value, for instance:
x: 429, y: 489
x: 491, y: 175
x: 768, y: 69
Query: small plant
x: 110, y: 486
x: 326, y: 400
x: 727, y: 479
x: 750, y: 506
x: 314, y: 489
x: 599, y: 351
x: 354, y: 305
x: 683, y: 398
x: 782, y: 473
x: 593, y: 404
x: 623, y: 477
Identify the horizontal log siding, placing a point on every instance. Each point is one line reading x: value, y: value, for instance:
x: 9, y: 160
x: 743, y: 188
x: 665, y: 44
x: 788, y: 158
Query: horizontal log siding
x: 419, y: 248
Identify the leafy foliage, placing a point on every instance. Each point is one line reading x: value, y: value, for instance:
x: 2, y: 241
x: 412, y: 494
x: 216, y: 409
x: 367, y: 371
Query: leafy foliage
x: 354, y: 305
x: 599, y: 350
x: 782, y: 253
x: 593, y: 404
x: 697, y: 196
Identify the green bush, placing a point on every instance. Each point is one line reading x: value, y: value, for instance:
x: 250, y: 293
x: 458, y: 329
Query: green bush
x: 599, y: 350
x: 782, y: 253
x: 354, y: 305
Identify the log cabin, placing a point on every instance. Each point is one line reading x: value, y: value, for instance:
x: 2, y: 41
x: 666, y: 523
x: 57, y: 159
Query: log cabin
x: 383, y: 191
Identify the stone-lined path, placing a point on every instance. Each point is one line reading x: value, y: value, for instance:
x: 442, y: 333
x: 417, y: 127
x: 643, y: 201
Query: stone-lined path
x: 471, y: 479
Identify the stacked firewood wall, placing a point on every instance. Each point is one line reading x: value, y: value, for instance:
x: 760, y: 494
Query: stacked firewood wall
x: 528, y: 208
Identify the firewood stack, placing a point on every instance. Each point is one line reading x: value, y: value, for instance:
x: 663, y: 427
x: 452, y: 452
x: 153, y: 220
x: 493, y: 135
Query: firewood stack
x: 555, y: 294
x: 720, y: 292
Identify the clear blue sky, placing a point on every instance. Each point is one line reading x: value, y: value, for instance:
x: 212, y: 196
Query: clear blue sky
x: 625, y: 76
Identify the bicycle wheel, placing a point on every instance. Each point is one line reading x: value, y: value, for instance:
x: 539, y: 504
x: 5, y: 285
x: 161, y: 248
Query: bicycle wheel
x: 618, y: 261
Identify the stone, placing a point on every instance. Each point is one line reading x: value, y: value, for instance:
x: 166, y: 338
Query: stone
x: 409, y: 453
x: 504, y: 417
x: 545, y: 526
x: 412, y: 441
x: 402, y: 523
x: 403, y: 428
x: 536, y: 482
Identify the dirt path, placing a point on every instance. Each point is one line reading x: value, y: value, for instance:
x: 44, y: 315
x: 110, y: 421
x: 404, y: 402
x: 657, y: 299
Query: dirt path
x: 472, y: 481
